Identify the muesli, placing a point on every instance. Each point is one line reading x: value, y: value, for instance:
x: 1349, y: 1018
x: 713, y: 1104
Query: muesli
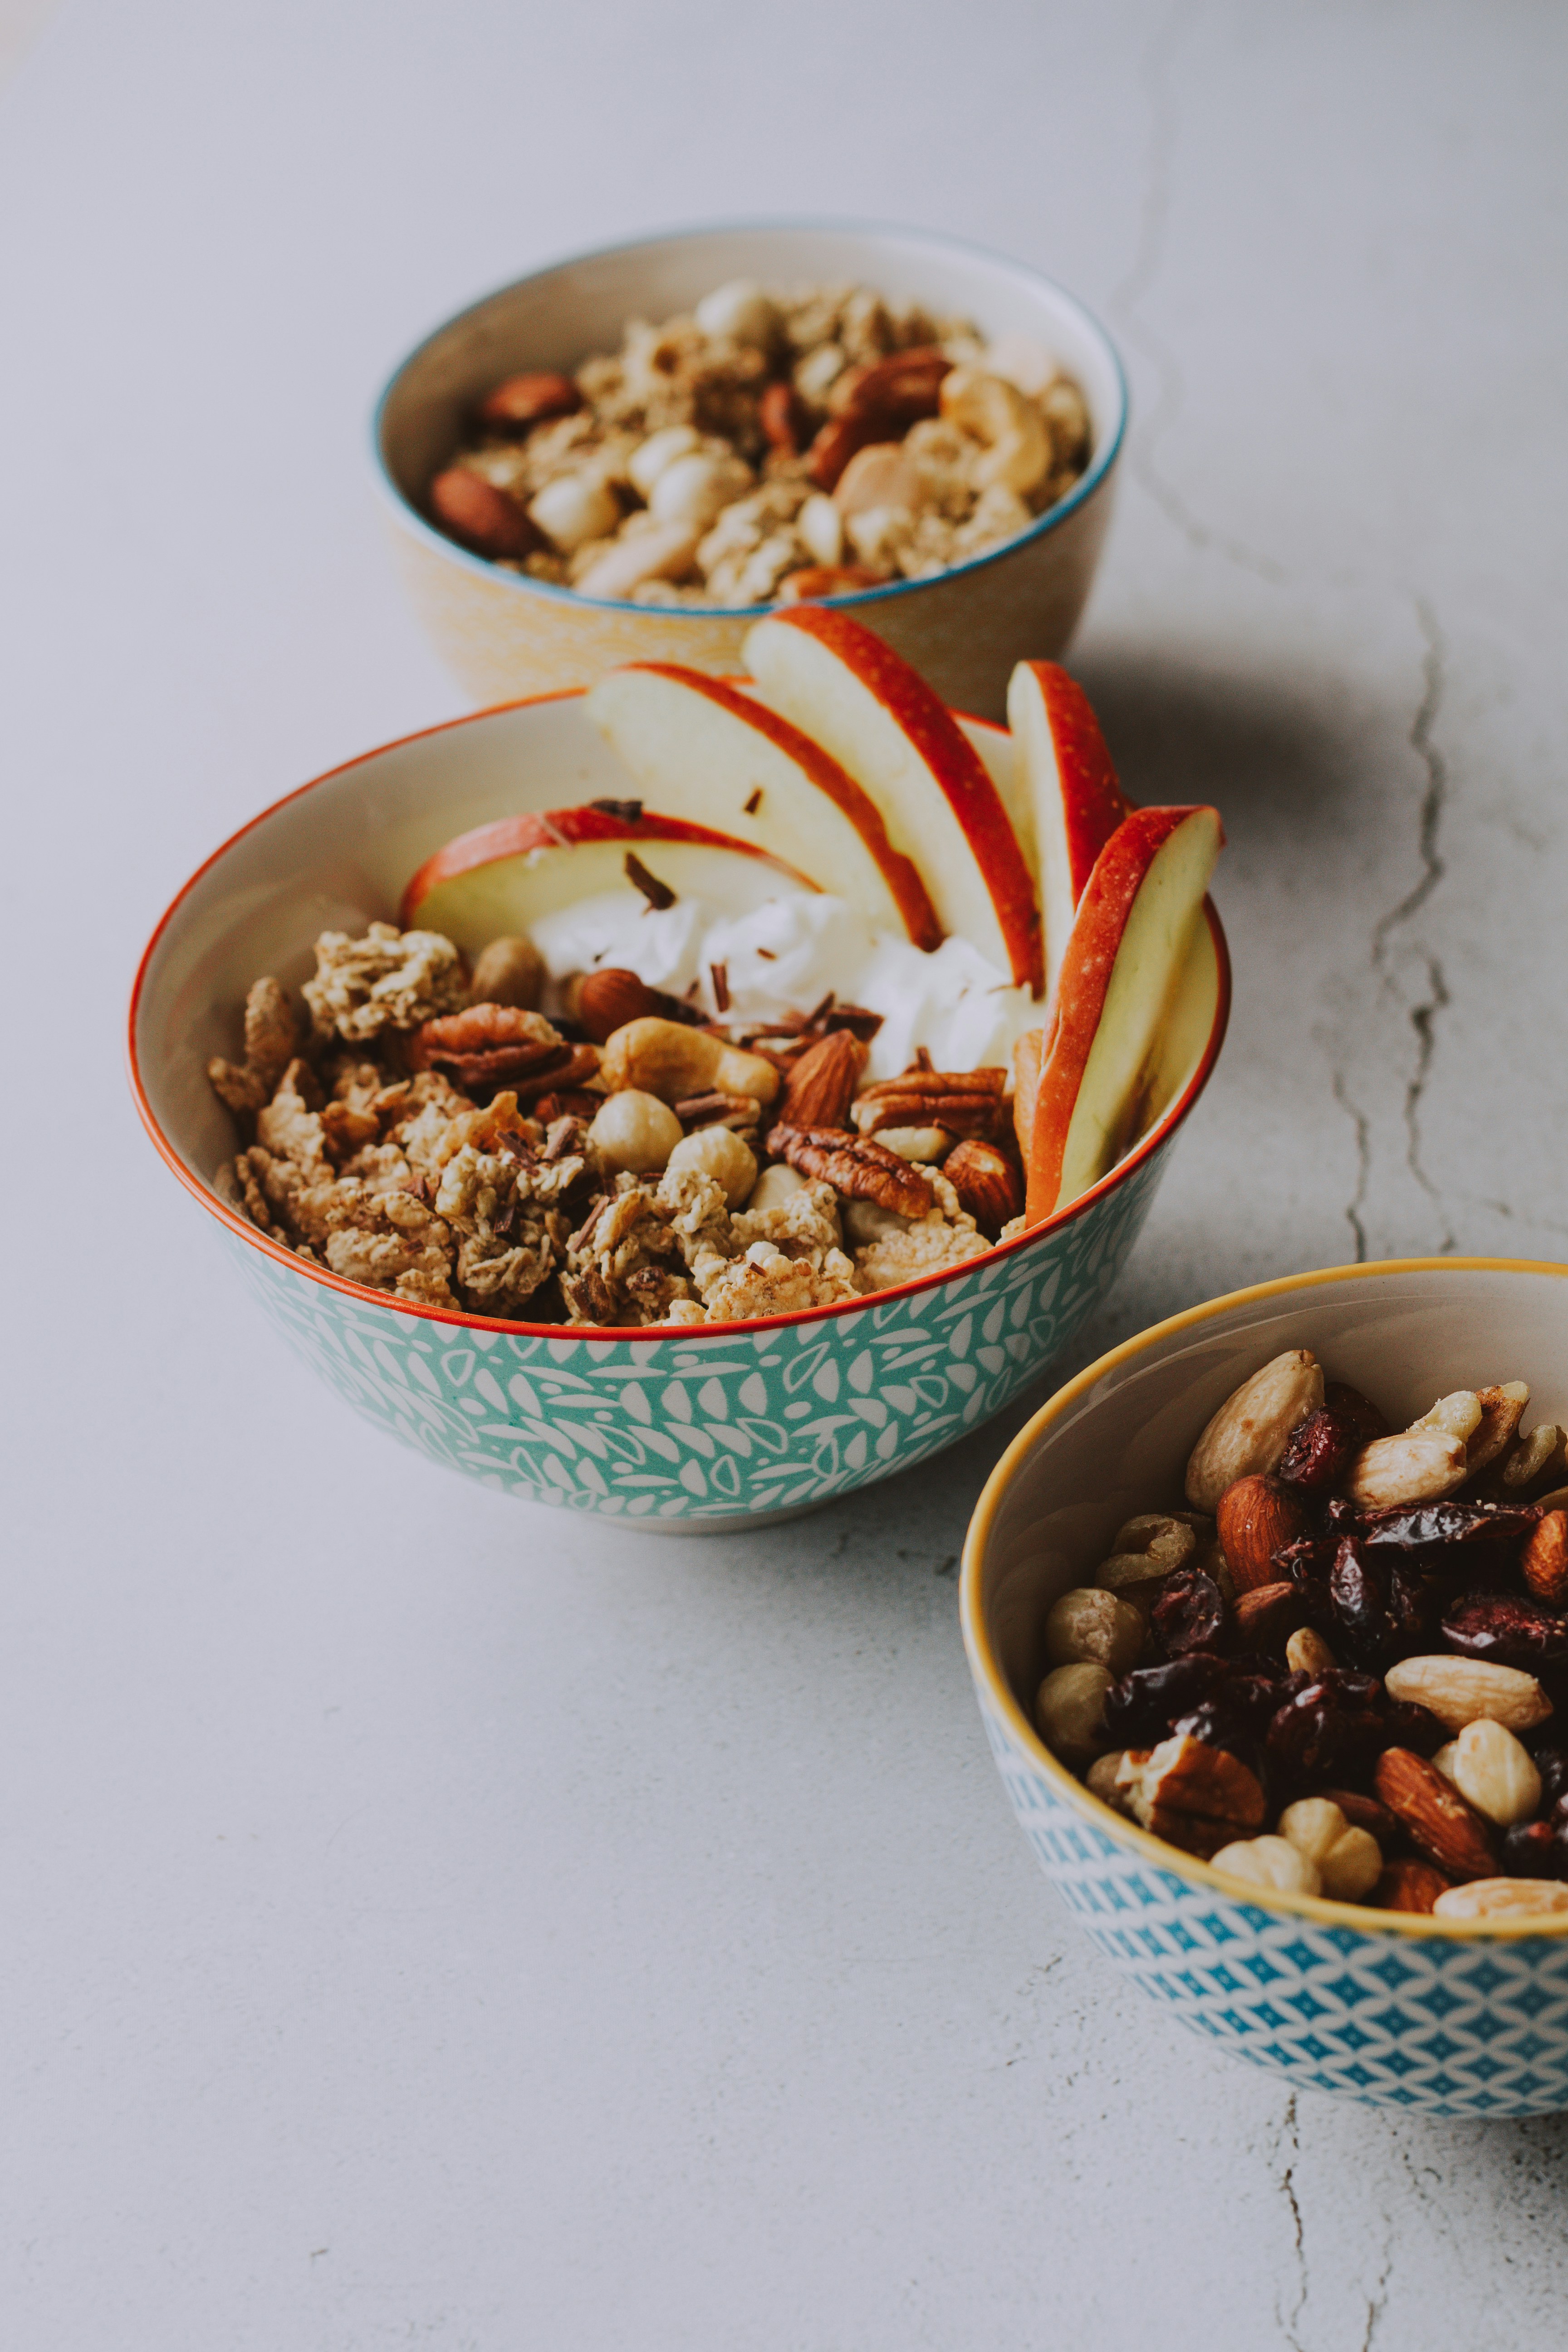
x: 769, y: 446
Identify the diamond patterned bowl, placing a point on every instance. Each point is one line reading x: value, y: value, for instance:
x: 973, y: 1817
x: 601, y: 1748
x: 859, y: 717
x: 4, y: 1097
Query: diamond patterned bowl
x: 705, y: 1430
x: 1450, y: 2018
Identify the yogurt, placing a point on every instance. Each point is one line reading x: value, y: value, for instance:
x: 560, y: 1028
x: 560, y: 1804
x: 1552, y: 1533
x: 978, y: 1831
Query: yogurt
x: 786, y: 954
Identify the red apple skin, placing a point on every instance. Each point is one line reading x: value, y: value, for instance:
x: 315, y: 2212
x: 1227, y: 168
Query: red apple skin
x: 513, y: 837
x: 1093, y: 802
x: 958, y: 769
x: 901, y: 873
x: 1081, y: 989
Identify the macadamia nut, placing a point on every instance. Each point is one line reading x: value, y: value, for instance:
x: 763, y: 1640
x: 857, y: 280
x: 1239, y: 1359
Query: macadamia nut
x: 509, y: 971
x: 775, y: 1185
x: 573, y: 510
x: 635, y: 1132
x: 719, y: 1152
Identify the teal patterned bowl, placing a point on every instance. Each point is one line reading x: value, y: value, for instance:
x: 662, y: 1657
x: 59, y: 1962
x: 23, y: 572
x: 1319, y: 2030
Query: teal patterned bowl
x: 1447, y: 2017
x: 715, y: 1429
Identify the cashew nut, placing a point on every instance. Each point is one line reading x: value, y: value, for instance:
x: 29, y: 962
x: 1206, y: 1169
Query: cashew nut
x: 820, y: 527
x: 668, y: 1059
x: 993, y: 411
x: 573, y: 510
x: 775, y: 1185
x: 879, y: 475
x: 663, y: 552
x: 649, y: 458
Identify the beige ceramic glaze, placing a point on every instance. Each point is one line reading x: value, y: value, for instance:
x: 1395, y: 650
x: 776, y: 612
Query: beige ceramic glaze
x: 505, y: 634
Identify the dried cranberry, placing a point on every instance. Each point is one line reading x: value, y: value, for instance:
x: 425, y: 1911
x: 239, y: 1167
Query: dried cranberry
x: 1552, y: 1763
x: 1411, y: 1611
x: 1507, y: 1630
x: 1330, y: 1731
x: 1217, y: 1724
x: 1340, y: 1517
x: 1189, y: 1614
x: 1535, y: 1849
x: 1348, y: 1405
x: 1140, y: 1709
x: 1308, y: 1556
x: 1318, y: 1452
x: 1405, y: 1725
x: 1361, y: 1622
x: 1422, y: 1526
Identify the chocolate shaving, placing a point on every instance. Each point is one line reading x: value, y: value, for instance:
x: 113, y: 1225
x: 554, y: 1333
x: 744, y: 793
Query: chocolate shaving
x: 720, y: 975
x: 629, y: 811
x: 922, y: 1058
x: 766, y: 954
x: 753, y: 805
x: 658, y: 894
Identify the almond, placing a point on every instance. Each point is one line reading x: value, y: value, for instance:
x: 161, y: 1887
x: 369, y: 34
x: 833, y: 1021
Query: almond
x: 1544, y: 1565
x: 1255, y: 1517
x: 523, y: 401
x: 1266, y: 1614
x: 1409, y: 1886
x: 1437, y: 1820
x: 987, y: 1182
x: 1247, y: 1435
x: 1503, y: 1898
x: 1460, y: 1690
x: 483, y: 516
x: 605, y: 1000
x: 822, y: 1082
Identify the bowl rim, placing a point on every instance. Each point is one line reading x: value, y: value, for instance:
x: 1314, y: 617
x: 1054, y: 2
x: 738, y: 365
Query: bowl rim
x: 1159, y: 1134
x: 410, y: 517
x: 985, y: 1666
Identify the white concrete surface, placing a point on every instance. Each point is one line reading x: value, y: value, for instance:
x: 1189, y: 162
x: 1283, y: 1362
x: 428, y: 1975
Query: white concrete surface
x: 433, y: 1922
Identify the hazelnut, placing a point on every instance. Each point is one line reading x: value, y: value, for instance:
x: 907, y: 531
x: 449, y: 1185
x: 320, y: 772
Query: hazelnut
x: 1348, y: 1861
x: 719, y: 1152
x: 1070, y: 1711
x: 509, y: 971
x: 1090, y: 1626
x: 635, y: 1132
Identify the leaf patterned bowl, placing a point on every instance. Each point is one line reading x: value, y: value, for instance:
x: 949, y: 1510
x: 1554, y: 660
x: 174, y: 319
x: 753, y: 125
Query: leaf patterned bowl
x: 711, y: 1429
x: 1450, y: 2017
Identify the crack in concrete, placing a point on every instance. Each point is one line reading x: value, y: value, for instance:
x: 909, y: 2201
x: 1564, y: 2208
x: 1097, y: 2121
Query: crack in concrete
x: 1288, y: 2128
x: 1377, y: 2301
x: 1164, y: 128
x: 1424, y: 1014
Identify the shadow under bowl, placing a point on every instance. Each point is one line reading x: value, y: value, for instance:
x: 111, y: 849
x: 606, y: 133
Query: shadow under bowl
x: 1447, y: 2017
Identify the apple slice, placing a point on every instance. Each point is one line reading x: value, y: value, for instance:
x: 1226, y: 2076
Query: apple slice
x: 1071, y: 801
x: 706, y: 752
x: 1129, y: 942
x: 503, y: 877
x: 878, y: 717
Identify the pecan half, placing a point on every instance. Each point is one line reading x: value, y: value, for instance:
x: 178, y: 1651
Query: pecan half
x: 854, y: 1166
x: 822, y: 1081
x: 965, y: 1102
x: 987, y: 1182
x: 1197, y: 1796
x: 491, y: 1043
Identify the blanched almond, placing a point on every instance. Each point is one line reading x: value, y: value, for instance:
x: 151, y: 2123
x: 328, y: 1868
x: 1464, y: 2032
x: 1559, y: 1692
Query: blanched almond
x: 1462, y: 1690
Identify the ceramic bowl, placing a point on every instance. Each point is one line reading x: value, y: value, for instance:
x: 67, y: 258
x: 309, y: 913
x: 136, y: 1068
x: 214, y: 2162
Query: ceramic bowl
x: 504, y: 635
x: 1450, y: 2017
x: 709, y: 1429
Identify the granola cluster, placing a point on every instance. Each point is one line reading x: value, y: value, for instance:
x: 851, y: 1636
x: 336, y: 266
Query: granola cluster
x: 476, y: 1156
x: 1336, y: 1672
x: 768, y: 446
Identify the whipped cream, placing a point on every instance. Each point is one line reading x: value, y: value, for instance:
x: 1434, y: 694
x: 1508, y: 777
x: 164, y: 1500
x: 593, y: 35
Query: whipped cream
x: 786, y: 954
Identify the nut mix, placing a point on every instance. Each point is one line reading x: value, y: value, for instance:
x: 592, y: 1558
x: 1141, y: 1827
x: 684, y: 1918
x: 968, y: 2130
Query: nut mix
x: 471, y: 1153
x: 769, y: 447
x: 1336, y: 1672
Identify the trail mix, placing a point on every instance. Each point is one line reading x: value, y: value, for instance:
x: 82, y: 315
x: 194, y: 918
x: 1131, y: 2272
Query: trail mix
x: 1337, y: 1671
x: 768, y: 446
x: 425, y: 1131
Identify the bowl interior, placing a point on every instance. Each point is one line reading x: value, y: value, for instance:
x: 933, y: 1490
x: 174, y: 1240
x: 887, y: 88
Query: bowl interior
x: 1119, y: 1440
x: 337, y: 853
x: 559, y: 317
